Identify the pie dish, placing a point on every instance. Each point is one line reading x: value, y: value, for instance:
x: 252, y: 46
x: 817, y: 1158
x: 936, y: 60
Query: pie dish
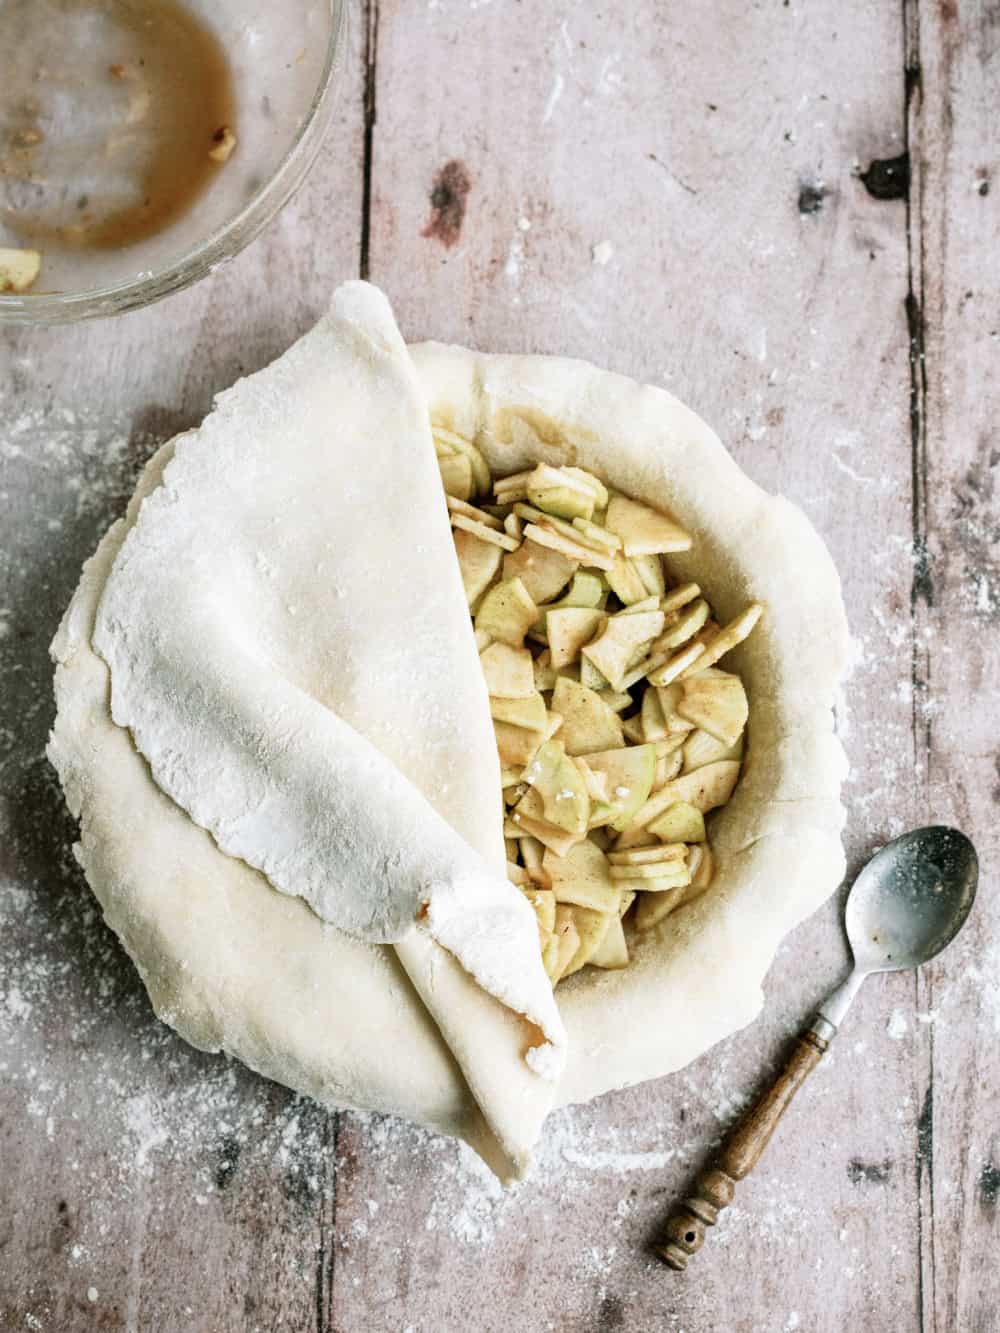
x: 274, y: 730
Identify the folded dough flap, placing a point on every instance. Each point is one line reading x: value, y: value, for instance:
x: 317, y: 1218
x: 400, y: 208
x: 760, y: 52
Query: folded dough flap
x: 290, y: 648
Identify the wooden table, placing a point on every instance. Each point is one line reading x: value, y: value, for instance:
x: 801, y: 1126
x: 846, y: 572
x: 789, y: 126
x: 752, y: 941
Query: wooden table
x: 684, y: 192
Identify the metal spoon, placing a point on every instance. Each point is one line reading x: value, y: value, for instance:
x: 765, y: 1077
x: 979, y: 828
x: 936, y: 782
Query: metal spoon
x: 910, y: 901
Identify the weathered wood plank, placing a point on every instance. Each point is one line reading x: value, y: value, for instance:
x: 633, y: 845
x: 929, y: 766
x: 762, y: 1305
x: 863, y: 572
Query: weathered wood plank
x: 955, y: 224
x: 637, y: 189
x: 142, y: 1186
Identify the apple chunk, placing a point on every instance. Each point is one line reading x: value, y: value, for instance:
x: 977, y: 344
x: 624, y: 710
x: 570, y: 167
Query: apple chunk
x: 543, y: 572
x: 680, y: 823
x: 716, y: 702
x: 589, y: 725
x: 591, y: 928
x: 509, y: 672
x: 479, y: 562
x: 569, y: 628
x: 612, y: 953
x: 558, y: 492
x: 582, y: 877
x: 507, y: 612
x: 623, y: 636
x: 630, y: 777
x: 529, y: 713
x: 560, y: 784
x: 456, y: 476
x: 644, y: 531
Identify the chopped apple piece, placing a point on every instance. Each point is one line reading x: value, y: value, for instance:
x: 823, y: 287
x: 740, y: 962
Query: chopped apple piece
x: 555, y: 491
x: 591, y: 482
x: 680, y: 596
x: 678, y: 877
x: 611, y: 653
x: 586, y: 590
x: 544, y: 673
x: 589, y: 725
x: 728, y: 637
x: 479, y: 562
x: 456, y: 476
x: 513, y: 487
x: 650, y: 571
x: 594, y: 535
x: 592, y: 678
x: 630, y: 778
x: 596, y: 783
x: 702, y: 868
x: 671, y: 867
x: 493, y: 536
x: 506, y: 613
x: 668, y: 766
x: 644, y: 531
x: 705, y: 789
x: 591, y: 927
x: 685, y: 627
x: 700, y: 749
x: 582, y: 877
x: 529, y: 819
x: 652, y: 854
x: 616, y: 700
x: 569, y: 629
x: 509, y: 672
x: 717, y: 703
x: 516, y: 746
x: 612, y: 953
x: 543, y: 572
x: 531, y: 713
x: 544, y: 903
x: 675, y: 666
x: 458, y: 444
x: 532, y: 854
x: 623, y: 636
x: 632, y: 727
x: 670, y: 696
x: 553, y: 532
x: 567, y: 942
x: 679, y: 823
x: 656, y: 907
x: 558, y: 781
x: 481, y: 516
x: 654, y: 725
x: 625, y: 580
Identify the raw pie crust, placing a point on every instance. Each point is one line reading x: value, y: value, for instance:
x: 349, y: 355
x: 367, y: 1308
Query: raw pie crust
x: 269, y: 821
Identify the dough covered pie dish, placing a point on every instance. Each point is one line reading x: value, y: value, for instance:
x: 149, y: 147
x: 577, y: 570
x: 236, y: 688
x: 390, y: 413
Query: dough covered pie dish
x: 451, y: 734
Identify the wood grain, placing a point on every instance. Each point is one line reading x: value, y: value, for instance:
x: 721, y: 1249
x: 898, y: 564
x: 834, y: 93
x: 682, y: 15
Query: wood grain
x: 672, y: 191
x: 955, y: 224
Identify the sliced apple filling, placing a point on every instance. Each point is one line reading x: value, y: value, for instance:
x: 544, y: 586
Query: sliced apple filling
x: 617, y: 732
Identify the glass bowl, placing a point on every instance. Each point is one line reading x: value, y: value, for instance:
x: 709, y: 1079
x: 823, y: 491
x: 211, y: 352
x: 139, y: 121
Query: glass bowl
x: 283, y: 59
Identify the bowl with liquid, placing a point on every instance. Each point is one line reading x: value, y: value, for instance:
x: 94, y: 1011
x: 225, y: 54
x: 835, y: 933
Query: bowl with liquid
x: 145, y: 142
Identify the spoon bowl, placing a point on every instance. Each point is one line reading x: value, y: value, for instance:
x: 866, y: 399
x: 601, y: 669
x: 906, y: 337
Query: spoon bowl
x: 911, y: 899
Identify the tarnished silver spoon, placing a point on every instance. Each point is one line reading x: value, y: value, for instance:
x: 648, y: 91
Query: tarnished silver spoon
x: 910, y: 901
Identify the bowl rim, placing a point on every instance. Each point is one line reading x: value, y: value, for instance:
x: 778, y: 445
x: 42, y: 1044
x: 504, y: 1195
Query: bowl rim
x: 222, y: 244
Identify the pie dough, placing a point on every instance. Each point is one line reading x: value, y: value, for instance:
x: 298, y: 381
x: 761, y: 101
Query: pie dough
x: 273, y: 729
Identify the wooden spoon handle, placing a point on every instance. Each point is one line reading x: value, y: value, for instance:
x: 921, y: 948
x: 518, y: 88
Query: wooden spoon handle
x: 713, y: 1189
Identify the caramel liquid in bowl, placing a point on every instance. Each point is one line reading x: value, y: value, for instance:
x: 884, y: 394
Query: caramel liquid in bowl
x: 109, y: 113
